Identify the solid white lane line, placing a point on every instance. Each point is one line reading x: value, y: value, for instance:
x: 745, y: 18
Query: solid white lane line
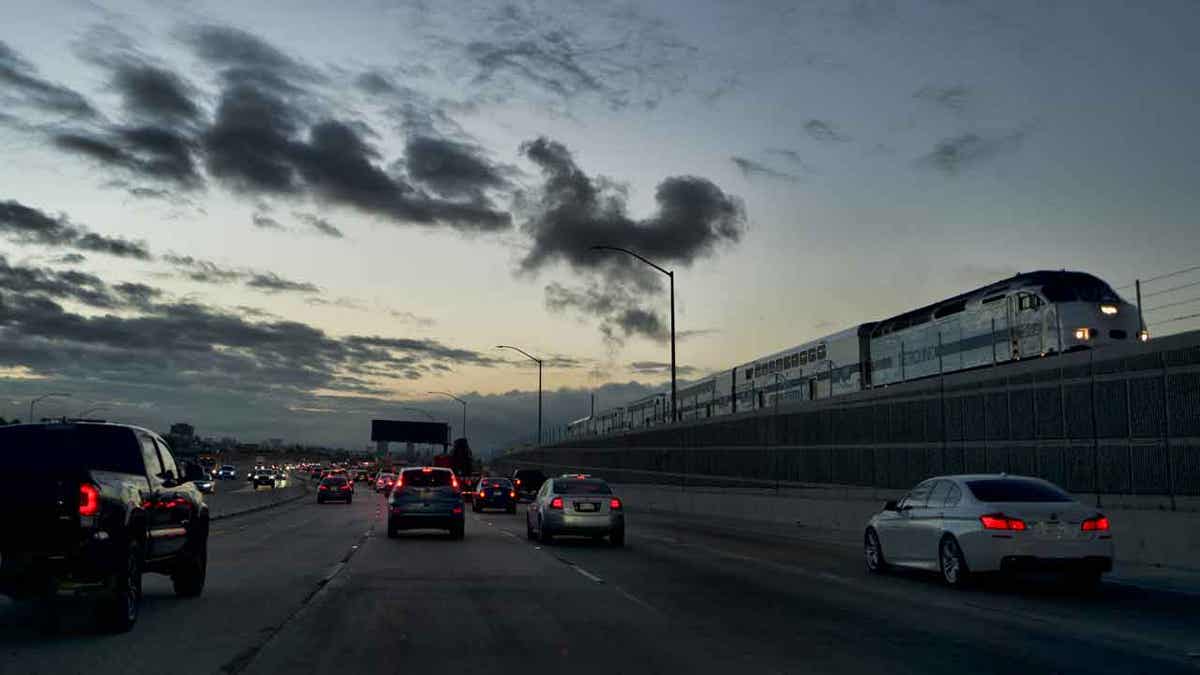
x: 586, y: 573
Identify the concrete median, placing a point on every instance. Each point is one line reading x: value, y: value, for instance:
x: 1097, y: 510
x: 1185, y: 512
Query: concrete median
x: 234, y: 498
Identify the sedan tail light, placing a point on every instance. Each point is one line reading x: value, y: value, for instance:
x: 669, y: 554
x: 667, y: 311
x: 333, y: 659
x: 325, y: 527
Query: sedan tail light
x: 614, y: 504
x: 556, y: 503
x: 322, y: 487
x: 345, y: 487
x: 454, y: 481
x: 999, y: 521
x: 512, y: 495
x: 89, y: 499
x: 457, y: 511
x: 482, y: 494
x: 1093, y: 524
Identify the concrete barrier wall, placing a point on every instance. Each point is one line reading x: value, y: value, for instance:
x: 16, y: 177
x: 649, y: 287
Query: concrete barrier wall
x: 233, y: 497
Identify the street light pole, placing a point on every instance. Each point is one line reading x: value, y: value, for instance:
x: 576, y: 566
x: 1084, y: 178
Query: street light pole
x: 670, y: 275
x: 539, y: 362
x: 464, y: 405
x: 35, y: 400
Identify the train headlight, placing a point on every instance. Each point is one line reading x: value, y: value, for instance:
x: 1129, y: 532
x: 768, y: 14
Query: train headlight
x: 1144, y: 335
x: 1084, y: 333
x: 1108, y: 310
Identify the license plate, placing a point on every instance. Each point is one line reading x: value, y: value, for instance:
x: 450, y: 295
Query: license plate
x: 587, y: 506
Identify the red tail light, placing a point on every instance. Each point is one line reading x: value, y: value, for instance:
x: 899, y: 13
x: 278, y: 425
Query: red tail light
x: 323, y: 487
x: 482, y: 494
x: 457, y: 510
x: 1096, y: 524
x: 518, y: 481
x: 556, y: 503
x: 345, y: 487
x: 614, y: 504
x: 426, y: 469
x: 999, y: 521
x: 89, y: 499
x: 512, y: 495
x: 454, y: 481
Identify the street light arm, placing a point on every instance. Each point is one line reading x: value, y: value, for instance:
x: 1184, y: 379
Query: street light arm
x: 527, y: 354
x: 625, y: 250
x: 446, y: 393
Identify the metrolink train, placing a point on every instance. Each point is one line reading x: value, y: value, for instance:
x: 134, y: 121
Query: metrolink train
x: 1029, y: 315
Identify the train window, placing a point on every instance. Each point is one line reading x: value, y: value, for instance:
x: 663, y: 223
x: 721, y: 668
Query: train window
x: 803, y: 357
x: 821, y: 352
x: 950, y: 309
x: 812, y: 355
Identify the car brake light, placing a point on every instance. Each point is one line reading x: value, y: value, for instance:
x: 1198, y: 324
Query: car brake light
x: 345, y: 487
x: 999, y: 521
x: 518, y: 481
x: 454, y: 481
x: 426, y: 469
x: 556, y: 503
x: 1096, y: 524
x: 457, y: 510
x: 481, y: 493
x: 512, y: 494
x: 89, y: 499
x: 323, y: 487
x: 614, y: 504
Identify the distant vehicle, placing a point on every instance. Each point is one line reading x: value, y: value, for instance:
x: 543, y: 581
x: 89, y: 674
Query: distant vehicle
x: 964, y: 525
x: 205, y: 483
x: 227, y: 472
x: 263, y: 478
x: 316, y: 473
x: 384, y: 482
x: 426, y: 498
x: 88, y: 508
x: 576, y: 506
x: 494, y: 493
x: 362, y: 475
x: 335, y: 488
x: 468, y: 486
x: 528, y: 482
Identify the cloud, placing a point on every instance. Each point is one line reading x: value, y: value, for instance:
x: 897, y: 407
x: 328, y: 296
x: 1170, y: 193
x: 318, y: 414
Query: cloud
x: 203, y: 271
x: 319, y: 225
x: 153, y: 153
x: 956, y: 154
x: 155, y: 93
x: 452, y: 169
x: 264, y: 222
x: 68, y: 259
x: 659, y: 368
x: 409, y: 317
x: 573, y: 212
x: 20, y: 85
x: 273, y: 283
x: 954, y: 97
x: 753, y: 169
x: 793, y: 157
x: 73, y: 285
x: 28, y: 225
x: 825, y: 131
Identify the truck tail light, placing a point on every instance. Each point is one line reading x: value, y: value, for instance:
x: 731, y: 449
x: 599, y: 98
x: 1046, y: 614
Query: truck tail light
x: 89, y: 499
x: 556, y: 503
x: 1095, y: 524
x: 999, y: 521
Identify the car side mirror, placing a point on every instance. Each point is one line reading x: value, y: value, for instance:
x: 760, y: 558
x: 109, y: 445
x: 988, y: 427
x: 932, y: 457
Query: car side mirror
x: 890, y: 505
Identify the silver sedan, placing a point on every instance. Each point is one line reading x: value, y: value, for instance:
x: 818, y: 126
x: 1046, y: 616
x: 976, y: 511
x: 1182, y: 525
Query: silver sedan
x: 960, y: 525
x: 576, y: 505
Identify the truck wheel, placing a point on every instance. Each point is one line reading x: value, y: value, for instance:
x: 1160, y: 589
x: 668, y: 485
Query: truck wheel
x: 119, y: 611
x: 191, y: 571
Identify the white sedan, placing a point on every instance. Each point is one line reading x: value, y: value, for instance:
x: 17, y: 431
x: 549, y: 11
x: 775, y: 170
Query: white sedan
x: 960, y: 525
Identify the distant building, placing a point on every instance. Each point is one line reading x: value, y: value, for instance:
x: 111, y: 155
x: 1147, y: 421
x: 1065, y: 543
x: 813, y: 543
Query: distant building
x: 183, y: 430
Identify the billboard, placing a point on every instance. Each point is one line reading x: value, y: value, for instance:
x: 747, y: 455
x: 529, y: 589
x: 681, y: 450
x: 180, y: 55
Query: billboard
x: 410, y: 432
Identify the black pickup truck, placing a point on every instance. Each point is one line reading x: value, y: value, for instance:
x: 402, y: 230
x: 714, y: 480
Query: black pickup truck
x: 86, y: 508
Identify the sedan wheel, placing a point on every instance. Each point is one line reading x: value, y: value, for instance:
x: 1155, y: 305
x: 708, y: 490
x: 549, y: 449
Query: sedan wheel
x: 952, y: 563
x: 873, y: 550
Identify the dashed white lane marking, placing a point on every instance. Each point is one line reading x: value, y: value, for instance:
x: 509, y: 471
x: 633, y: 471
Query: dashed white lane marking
x: 587, y: 574
x: 635, y: 600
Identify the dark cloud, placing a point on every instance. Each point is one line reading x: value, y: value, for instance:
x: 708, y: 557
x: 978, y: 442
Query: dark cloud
x: 659, y: 368
x: 374, y: 82
x: 27, y: 225
x: 824, y: 130
x: 203, y: 271
x: 22, y: 86
x: 320, y: 225
x: 617, y: 308
x: 452, y: 169
x: 151, y: 153
x: 573, y: 212
x: 264, y: 222
x: 250, y: 146
x: 246, y: 58
x: 953, y: 97
x: 155, y: 93
x: 72, y: 285
x: 270, y: 282
x: 69, y: 259
x: 956, y: 154
x: 753, y: 169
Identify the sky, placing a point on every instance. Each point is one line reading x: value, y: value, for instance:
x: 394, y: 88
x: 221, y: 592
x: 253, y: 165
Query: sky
x: 279, y: 220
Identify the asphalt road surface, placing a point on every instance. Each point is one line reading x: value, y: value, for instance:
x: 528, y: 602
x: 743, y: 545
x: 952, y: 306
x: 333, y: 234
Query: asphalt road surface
x: 304, y: 588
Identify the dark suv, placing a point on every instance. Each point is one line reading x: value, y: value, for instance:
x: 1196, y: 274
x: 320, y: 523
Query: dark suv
x: 89, y: 507
x: 426, y: 498
x: 528, y: 482
x: 494, y: 493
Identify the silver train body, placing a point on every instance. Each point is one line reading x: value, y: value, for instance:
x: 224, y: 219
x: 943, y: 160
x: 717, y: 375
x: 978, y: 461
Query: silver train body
x: 1030, y: 315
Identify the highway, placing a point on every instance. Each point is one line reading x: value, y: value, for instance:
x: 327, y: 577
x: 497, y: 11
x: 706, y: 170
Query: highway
x: 304, y: 588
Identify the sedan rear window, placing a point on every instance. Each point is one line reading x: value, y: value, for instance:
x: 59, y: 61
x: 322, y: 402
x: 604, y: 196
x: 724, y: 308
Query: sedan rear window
x: 427, y: 479
x: 334, y: 480
x: 1009, y: 490
x: 581, y: 487
x: 505, y: 483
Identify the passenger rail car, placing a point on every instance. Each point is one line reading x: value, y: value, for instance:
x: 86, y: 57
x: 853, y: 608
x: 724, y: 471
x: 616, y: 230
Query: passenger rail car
x: 1026, y: 316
